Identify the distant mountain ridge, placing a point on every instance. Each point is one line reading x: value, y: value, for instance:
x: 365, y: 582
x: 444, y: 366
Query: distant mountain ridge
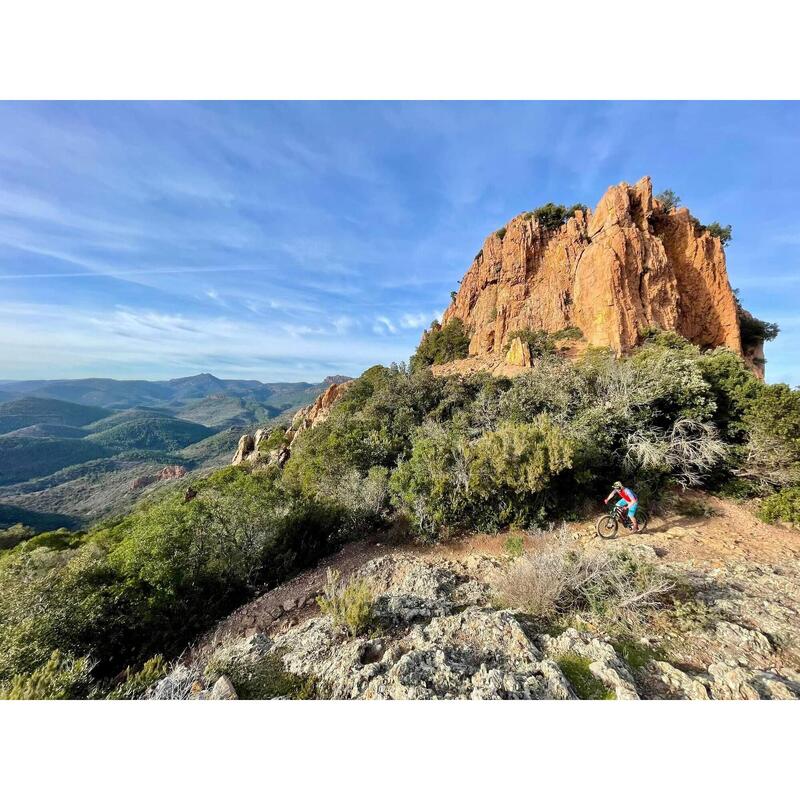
x: 120, y: 394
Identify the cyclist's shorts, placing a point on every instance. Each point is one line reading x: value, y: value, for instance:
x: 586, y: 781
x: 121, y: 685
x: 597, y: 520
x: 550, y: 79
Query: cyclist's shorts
x: 631, y: 508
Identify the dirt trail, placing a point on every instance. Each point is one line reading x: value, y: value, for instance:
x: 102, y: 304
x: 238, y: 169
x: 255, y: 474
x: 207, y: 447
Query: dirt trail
x: 729, y: 541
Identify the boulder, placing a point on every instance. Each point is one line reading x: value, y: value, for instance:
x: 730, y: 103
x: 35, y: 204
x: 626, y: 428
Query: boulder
x: 223, y: 690
x: 519, y: 353
x: 246, y: 446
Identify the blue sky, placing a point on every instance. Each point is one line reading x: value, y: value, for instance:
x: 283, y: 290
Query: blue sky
x: 289, y: 241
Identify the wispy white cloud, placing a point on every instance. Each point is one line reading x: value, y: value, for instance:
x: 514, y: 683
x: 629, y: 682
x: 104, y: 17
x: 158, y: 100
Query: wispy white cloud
x: 414, y: 320
x: 125, y: 341
x: 384, y: 325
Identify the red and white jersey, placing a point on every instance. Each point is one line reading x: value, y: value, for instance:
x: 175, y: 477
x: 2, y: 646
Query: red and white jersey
x: 627, y: 495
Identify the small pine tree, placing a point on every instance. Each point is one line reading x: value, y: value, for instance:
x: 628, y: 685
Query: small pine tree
x: 668, y: 200
x: 551, y: 216
x: 723, y: 232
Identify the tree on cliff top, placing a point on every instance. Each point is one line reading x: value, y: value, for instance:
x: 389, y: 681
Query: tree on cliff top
x: 668, y: 200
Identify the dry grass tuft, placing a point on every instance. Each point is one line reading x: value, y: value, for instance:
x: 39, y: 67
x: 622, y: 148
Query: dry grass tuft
x: 561, y: 579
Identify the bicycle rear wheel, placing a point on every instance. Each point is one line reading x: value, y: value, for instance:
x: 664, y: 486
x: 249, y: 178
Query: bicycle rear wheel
x: 642, y: 519
x: 607, y: 526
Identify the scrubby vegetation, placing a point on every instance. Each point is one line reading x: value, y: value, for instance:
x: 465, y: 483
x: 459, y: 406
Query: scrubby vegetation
x: 439, y: 455
x: 782, y: 507
x: 755, y: 330
x: 259, y: 678
x: 59, y: 678
x: 150, y: 582
x: 442, y: 343
x: 552, y: 216
x: 560, y: 580
x: 348, y: 604
x: 578, y: 672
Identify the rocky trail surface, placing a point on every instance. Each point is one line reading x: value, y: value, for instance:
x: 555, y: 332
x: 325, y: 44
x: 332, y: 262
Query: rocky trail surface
x: 440, y: 633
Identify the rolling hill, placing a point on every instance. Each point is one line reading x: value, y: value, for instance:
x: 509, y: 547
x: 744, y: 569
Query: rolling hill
x: 24, y: 457
x: 151, y: 432
x: 27, y: 411
x: 74, y: 462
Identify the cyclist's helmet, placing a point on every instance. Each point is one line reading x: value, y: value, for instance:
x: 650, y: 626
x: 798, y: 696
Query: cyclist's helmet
x: 617, y: 485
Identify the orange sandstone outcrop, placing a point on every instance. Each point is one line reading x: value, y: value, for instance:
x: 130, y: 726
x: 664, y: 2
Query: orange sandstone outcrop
x: 614, y: 272
x: 168, y: 473
x: 320, y: 409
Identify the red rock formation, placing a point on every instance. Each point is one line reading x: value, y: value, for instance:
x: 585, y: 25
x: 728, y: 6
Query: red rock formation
x: 613, y: 273
x: 171, y: 472
x: 320, y: 409
x: 166, y: 474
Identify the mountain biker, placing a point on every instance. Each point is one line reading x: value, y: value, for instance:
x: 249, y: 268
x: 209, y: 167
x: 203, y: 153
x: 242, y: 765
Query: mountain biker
x: 628, y: 502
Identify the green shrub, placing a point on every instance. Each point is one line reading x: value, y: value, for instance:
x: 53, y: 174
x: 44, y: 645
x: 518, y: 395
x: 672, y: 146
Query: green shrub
x: 514, y: 546
x: 772, y: 421
x: 567, y: 333
x: 754, y: 331
x: 61, y: 678
x: 510, y: 469
x: 276, y: 438
x: 61, y: 539
x: 734, y: 389
x: 10, y: 537
x: 136, y: 683
x: 348, y: 604
x: 441, y: 344
x: 636, y: 654
x: 784, y: 506
x: 258, y: 677
x: 431, y: 485
x: 500, y: 233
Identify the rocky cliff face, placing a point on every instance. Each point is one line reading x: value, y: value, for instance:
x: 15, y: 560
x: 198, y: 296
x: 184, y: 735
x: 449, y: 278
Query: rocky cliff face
x: 614, y: 272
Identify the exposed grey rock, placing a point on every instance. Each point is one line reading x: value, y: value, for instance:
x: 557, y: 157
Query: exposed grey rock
x: 440, y: 639
x: 223, y: 690
x: 731, y: 683
x: 742, y: 641
x: 604, y: 662
x: 676, y: 683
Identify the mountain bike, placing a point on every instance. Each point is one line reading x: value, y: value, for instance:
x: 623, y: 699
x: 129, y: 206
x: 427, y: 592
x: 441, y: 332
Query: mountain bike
x: 607, y: 524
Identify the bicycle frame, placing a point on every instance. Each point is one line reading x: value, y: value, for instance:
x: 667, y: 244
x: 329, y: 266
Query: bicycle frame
x: 625, y: 519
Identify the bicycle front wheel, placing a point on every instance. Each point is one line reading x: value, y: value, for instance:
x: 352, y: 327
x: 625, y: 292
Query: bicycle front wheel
x: 607, y: 526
